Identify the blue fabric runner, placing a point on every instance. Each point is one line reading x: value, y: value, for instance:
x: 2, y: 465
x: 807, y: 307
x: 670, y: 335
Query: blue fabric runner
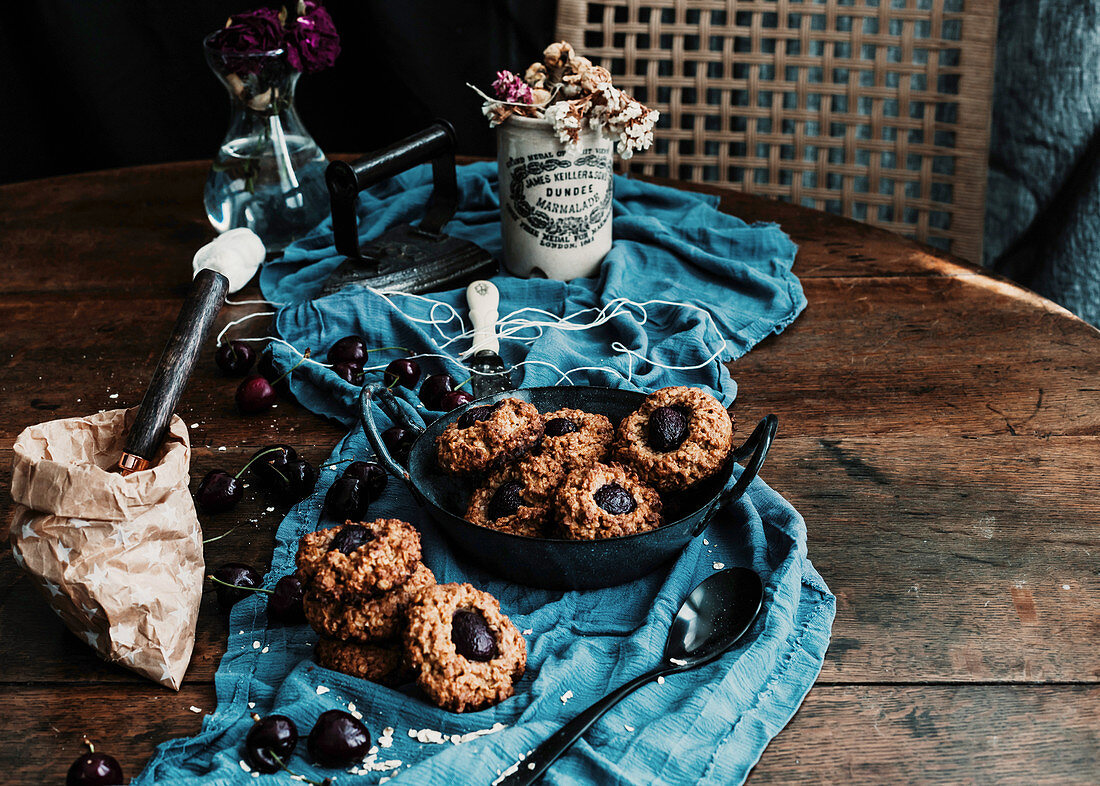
x: 708, y: 725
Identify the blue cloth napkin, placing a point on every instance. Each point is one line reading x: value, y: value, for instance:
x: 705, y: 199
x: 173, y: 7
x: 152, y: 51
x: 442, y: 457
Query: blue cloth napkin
x: 714, y: 287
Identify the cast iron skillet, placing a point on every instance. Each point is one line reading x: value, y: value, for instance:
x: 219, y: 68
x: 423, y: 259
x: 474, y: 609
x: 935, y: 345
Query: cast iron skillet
x: 547, y: 562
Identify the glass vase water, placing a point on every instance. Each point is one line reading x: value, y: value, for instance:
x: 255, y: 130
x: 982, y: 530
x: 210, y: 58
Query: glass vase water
x: 268, y: 175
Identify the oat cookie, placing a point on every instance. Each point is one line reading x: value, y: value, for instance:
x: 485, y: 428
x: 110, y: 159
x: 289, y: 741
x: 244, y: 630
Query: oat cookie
x: 516, y: 498
x: 365, y: 619
x: 483, y: 437
x: 605, y: 501
x: 359, y: 558
x: 678, y: 437
x: 385, y: 665
x: 575, y: 438
x: 468, y: 655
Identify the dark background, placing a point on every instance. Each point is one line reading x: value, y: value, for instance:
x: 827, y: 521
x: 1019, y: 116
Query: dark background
x: 93, y: 84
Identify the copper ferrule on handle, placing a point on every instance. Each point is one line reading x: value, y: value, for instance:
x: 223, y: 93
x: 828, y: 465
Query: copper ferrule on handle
x: 129, y: 464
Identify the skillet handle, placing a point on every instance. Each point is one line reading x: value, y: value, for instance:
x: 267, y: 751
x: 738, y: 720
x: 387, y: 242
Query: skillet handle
x: 756, y: 446
x: 400, y: 412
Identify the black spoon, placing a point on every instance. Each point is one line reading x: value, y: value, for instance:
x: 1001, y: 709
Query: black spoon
x: 715, y: 615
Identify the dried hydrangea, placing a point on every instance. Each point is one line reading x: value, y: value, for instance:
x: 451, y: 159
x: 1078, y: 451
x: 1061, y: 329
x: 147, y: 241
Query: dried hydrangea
x: 509, y: 88
x: 573, y: 94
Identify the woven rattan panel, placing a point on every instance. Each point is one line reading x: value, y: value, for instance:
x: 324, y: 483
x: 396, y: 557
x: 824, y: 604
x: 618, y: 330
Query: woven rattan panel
x: 874, y: 109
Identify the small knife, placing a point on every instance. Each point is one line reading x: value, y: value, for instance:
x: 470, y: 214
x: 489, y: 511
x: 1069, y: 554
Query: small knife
x: 489, y: 374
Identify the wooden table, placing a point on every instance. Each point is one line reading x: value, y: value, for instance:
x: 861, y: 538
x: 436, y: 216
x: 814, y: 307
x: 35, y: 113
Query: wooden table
x: 939, y: 432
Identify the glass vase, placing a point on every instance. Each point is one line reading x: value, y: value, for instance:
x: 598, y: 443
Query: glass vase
x: 268, y: 175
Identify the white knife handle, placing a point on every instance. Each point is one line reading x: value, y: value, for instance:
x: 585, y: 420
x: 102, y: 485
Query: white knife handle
x: 484, y: 297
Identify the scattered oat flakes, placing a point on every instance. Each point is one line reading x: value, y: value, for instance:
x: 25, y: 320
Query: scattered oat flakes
x: 719, y: 565
x: 256, y: 645
x: 270, y: 510
x: 195, y: 709
x: 265, y: 649
x: 566, y: 696
x: 244, y: 766
x: 628, y: 728
x: 113, y: 395
x: 251, y: 705
x: 321, y: 690
x: 528, y: 632
x: 660, y: 680
x: 222, y: 448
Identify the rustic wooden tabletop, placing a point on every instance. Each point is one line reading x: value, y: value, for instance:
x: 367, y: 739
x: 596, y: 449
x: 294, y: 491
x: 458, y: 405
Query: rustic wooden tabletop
x: 938, y: 430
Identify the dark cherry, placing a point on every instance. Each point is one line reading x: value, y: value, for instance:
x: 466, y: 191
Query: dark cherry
x: 271, y: 462
x: 559, y: 427
x: 295, y: 481
x: 615, y: 499
x: 255, y: 395
x: 471, y: 636
x: 402, y: 372
x: 275, y: 734
x: 338, y: 739
x: 668, y: 426
x: 372, y: 475
x: 94, y: 769
x: 454, y: 400
x: 476, y: 415
x: 349, y: 372
x: 398, y: 441
x: 239, y: 575
x: 268, y: 371
x: 219, y: 491
x: 434, y: 389
x: 346, y: 500
x: 505, y: 501
x: 349, y: 538
x: 284, y: 604
x: 349, y: 349
x: 234, y: 358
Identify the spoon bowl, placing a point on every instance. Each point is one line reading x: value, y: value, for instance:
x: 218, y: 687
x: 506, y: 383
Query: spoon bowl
x: 713, y: 617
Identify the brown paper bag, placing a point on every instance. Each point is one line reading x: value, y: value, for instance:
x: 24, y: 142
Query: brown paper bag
x: 118, y: 558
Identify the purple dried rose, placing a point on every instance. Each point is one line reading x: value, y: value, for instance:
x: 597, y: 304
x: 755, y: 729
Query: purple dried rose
x: 312, y: 42
x: 511, y: 88
x: 250, y: 33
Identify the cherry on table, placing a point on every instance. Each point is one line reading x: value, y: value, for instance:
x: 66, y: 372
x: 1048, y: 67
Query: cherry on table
x: 434, y: 389
x: 94, y: 769
x: 295, y: 481
x: 454, y: 400
x: 275, y: 734
x: 234, y: 358
x: 352, y: 373
x: 398, y: 442
x: 346, y: 500
x: 255, y: 395
x: 404, y: 372
x: 219, y: 491
x: 241, y: 578
x: 338, y: 739
x: 373, y: 476
x: 269, y: 462
x: 349, y: 349
x: 472, y: 637
x: 284, y: 604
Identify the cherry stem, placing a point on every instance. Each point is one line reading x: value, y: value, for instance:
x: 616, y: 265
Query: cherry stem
x: 463, y: 382
x: 279, y: 761
x: 238, y: 586
x: 91, y: 748
x: 219, y: 537
x: 288, y: 372
x: 260, y: 455
x: 382, y: 349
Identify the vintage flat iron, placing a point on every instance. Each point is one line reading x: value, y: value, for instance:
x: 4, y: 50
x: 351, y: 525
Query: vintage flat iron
x: 406, y: 258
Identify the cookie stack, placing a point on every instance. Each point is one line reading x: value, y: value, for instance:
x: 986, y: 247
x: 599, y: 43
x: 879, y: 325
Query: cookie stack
x: 382, y: 617
x: 360, y: 579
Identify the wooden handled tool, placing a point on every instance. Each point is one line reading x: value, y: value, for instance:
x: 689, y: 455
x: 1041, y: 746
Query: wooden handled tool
x: 173, y: 370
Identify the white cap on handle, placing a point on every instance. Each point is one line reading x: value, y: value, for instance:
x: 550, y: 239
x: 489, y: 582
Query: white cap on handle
x: 484, y: 298
x: 235, y: 254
